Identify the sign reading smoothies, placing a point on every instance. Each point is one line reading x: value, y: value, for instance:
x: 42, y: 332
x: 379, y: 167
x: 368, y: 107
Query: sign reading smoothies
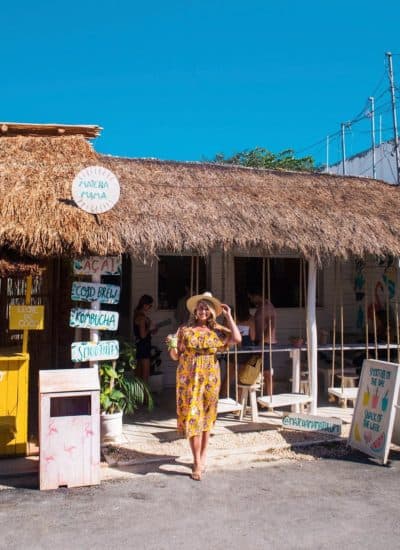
x: 92, y: 351
x: 373, y: 418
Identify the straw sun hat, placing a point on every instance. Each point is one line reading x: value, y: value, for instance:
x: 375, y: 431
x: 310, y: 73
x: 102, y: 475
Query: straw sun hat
x: 192, y: 302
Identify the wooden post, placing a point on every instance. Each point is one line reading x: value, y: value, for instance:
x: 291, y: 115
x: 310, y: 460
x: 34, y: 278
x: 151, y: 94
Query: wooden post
x: 312, y: 332
x: 295, y: 355
x: 94, y: 334
x: 28, y: 296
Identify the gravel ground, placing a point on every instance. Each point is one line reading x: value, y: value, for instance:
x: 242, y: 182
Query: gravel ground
x: 273, y: 443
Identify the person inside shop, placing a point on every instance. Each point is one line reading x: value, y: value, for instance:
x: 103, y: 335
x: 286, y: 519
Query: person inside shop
x: 143, y: 329
x: 247, y: 328
x: 181, y: 313
x: 265, y: 325
x: 198, y: 374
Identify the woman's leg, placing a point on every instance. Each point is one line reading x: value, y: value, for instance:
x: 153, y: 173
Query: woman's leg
x: 196, y: 447
x: 203, y: 451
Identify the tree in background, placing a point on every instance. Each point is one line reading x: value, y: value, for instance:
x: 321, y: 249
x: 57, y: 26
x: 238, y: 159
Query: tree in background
x: 259, y: 157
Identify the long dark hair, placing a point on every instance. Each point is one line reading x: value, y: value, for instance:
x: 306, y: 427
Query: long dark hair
x: 145, y: 300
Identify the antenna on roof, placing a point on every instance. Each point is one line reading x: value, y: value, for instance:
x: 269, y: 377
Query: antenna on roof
x: 392, y: 92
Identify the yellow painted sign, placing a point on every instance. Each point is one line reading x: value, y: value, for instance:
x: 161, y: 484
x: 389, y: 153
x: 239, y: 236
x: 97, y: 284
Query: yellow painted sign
x: 26, y: 318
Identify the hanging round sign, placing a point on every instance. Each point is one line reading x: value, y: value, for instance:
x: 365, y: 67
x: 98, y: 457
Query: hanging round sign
x: 95, y: 189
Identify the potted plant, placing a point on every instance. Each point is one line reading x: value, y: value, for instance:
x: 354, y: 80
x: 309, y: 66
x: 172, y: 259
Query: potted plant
x: 121, y: 391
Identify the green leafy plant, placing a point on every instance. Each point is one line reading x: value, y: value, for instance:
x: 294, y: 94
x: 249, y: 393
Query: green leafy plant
x: 120, y: 388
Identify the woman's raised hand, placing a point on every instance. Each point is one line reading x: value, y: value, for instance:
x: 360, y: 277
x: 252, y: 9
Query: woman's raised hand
x: 226, y: 310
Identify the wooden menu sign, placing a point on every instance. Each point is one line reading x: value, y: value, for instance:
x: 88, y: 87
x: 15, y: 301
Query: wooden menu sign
x: 374, y: 413
x: 98, y: 265
x: 26, y: 317
x: 92, y: 292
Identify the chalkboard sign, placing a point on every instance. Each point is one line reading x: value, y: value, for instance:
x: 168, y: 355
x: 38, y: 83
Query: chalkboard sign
x: 373, y: 418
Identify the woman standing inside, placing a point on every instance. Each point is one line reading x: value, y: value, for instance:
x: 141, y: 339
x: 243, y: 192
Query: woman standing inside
x: 143, y: 329
x: 198, y: 374
x: 245, y: 321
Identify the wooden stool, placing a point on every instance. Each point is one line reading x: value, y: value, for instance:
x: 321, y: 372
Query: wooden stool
x: 304, y: 388
x: 249, y: 392
x: 349, y: 381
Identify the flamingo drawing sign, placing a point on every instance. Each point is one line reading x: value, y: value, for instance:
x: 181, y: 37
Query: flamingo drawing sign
x: 374, y: 413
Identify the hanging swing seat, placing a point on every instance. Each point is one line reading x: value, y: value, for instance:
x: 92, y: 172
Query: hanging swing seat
x: 228, y: 405
x: 344, y: 394
x: 283, y: 400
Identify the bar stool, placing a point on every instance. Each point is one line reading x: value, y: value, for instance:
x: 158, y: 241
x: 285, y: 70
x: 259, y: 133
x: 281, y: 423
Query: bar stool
x: 249, y: 393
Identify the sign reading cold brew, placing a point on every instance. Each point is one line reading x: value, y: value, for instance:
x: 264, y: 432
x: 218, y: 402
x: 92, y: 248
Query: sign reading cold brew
x: 373, y: 418
x: 95, y: 189
x: 98, y: 265
x: 26, y: 317
x: 92, y: 351
x: 93, y: 319
x: 90, y: 292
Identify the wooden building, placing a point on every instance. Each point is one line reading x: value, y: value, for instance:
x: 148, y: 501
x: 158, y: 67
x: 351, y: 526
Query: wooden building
x: 229, y: 217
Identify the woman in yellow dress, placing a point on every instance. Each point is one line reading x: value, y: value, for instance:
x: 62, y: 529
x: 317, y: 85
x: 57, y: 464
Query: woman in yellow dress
x: 198, y: 375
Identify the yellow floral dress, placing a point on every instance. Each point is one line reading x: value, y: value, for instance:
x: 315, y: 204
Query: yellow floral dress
x: 198, y: 379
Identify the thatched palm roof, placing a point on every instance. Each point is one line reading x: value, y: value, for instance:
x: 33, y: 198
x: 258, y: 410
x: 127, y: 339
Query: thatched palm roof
x: 180, y: 206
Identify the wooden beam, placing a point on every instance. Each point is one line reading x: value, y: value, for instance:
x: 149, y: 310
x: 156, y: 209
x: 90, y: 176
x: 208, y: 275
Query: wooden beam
x: 312, y: 332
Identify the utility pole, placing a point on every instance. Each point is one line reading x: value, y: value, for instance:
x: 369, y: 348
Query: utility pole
x: 343, y: 128
x: 327, y: 155
x: 372, y: 114
x: 393, y: 94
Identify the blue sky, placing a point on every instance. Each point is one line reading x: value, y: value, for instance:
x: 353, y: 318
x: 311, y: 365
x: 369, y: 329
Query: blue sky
x: 187, y: 79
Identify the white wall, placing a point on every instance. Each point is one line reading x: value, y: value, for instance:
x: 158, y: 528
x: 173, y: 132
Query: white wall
x: 290, y: 321
x: 361, y: 164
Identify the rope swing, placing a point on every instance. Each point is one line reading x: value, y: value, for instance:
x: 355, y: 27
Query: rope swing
x: 227, y: 404
x: 271, y: 400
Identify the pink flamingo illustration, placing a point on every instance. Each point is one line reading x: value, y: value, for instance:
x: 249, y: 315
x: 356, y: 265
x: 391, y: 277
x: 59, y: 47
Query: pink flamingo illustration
x: 88, y: 430
x: 52, y: 429
x: 69, y: 449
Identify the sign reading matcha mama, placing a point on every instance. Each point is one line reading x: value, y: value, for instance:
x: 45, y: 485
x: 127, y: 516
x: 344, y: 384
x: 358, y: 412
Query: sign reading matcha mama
x: 95, y: 189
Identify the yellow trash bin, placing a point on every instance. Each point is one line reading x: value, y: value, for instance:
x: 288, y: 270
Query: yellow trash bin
x: 14, y: 371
